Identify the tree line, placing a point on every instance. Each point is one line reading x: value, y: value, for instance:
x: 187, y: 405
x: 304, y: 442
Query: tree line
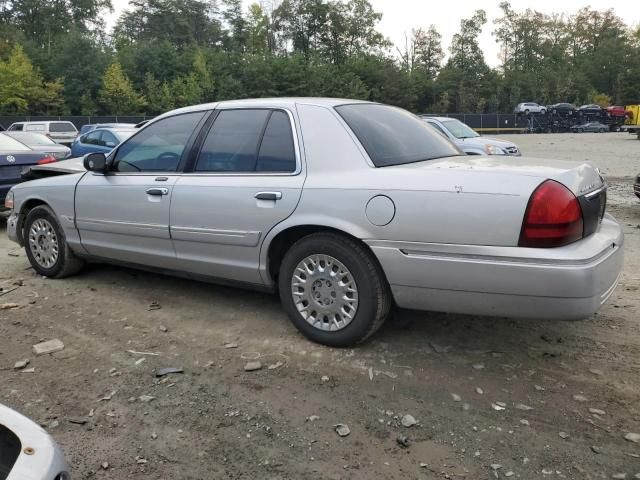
x: 57, y: 58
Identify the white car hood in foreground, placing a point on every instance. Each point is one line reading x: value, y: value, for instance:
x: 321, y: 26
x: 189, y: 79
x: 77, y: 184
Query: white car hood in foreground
x: 40, y: 457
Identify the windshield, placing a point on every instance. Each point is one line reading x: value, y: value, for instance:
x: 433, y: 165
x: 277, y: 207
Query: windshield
x: 33, y: 138
x: 122, y: 135
x: 392, y: 136
x: 459, y: 129
x: 9, y: 144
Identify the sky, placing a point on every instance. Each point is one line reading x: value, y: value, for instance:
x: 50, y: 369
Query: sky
x: 400, y: 16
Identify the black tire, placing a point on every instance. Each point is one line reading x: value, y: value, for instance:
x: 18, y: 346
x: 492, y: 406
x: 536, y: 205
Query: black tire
x: 580, y: 130
x: 543, y: 111
x: 67, y: 263
x: 374, y: 295
x: 526, y: 112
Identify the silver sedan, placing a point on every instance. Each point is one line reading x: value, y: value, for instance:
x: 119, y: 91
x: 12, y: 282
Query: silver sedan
x: 345, y: 208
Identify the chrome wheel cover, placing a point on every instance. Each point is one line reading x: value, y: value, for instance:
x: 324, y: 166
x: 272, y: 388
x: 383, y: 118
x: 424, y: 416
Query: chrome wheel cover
x: 43, y: 243
x: 324, y: 292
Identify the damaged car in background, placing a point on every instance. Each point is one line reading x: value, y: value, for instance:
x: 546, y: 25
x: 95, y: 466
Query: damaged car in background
x: 345, y: 208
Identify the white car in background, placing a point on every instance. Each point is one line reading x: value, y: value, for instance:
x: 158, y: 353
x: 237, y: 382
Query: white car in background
x: 57, y: 130
x: 530, y: 107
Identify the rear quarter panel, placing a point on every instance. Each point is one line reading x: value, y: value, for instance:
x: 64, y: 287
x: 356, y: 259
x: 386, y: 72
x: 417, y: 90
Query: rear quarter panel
x: 434, y: 203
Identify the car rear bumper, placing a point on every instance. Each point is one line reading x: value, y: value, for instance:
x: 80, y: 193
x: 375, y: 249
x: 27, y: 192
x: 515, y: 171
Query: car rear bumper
x: 564, y: 283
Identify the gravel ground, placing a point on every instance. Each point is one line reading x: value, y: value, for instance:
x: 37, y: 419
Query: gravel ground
x: 493, y: 398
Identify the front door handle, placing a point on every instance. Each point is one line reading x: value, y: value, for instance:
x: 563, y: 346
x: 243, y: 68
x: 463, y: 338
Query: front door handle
x: 157, y: 191
x: 268, y: 195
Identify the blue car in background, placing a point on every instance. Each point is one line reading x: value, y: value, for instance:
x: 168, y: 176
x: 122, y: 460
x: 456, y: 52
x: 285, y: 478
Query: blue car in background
x: 100, y: 140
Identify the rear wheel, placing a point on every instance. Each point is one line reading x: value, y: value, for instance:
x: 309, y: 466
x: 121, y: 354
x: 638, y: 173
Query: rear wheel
x: 333, y: 290
x: 46, y: 245
x: 543, y: 111
x: 580, y: 130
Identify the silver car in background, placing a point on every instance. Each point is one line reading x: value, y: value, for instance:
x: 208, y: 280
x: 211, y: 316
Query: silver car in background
x: 27, y: 452
x: 345, y: 208
x: 470, y: 141
x: 530, y: 107
x: 41, y: 143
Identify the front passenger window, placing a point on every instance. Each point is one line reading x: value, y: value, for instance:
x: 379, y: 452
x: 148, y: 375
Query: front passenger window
x: 158, y: 147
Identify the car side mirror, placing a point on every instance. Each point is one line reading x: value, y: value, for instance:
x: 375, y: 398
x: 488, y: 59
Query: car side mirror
x: 110, y: 145
x: 95, y: 162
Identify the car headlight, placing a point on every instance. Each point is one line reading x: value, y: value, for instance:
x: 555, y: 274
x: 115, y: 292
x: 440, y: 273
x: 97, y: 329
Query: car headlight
x: 493, y: 150
x: 8, y: 200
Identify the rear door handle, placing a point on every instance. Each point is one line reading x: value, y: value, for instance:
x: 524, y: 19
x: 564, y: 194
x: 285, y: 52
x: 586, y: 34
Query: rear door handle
x: 157, y: 191
x: 268, y: 195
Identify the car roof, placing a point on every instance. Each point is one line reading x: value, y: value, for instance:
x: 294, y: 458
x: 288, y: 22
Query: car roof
x: 116, y: 129
x: 275, y: 102
x: 440, y: 119
x: 42, y: 121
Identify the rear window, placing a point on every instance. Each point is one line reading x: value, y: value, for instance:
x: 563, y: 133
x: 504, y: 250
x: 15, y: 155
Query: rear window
x: 29, y: 138
x: 392, y: 136
x: 8, y: 144
x: 62, y: 127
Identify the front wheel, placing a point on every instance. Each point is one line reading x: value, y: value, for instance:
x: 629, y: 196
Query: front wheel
x: 333, y: 290
x: 543, y: 111
x: 580, y: 130
x: 46, y: 245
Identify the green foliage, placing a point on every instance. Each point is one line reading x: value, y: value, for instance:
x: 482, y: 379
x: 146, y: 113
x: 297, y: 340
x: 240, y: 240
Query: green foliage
x: 602, y: 99
x: 117, y: 94
x: 22, y: 89
x: 55, y: 57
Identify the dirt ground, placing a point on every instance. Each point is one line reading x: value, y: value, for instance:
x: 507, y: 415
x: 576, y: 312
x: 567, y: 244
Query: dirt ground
x: 493, y: 398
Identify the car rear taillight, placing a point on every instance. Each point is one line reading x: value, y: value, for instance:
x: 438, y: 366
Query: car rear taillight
x: 553, y: 217
x: 47, y: 159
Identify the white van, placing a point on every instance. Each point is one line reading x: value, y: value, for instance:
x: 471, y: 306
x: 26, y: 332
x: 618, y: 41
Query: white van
x: 59, y: 131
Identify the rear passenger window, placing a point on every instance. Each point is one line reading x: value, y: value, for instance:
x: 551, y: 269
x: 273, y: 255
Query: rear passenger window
x: 35, y: 127
x: 277, y: 151
x: 249, y: 141
x: 232, y: 143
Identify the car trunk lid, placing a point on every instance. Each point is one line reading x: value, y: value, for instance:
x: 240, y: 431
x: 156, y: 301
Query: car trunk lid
x: 12, y: 164
x: 582, y: 179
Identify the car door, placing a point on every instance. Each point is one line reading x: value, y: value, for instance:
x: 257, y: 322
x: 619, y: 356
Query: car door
x: 108, y: 140
x: 246, y: 178
x: 124, y: 214
x: 86, y: 143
